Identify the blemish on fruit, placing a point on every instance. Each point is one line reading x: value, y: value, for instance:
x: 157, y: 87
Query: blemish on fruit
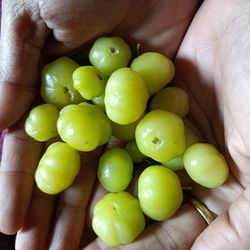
x: 99, y: 76
x: 65, y: 90
x: 156, y: 140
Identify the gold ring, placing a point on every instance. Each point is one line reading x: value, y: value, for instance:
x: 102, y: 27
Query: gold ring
x: 202, y: 209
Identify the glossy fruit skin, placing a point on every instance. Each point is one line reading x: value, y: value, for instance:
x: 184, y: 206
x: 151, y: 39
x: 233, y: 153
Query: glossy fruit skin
x: 89, y: 82
x: 172, y: 99
x: 160, y: 135
x: 115, y: 170
x: 159, y: 192
x: 205, y: 165
x: 57, y: 84
x: 177, y: 162
x: 125, y: 132
x: 134, y: 152
x: 191, y: 137
x: 57, y: 168
x: 103, y: 121
x: 99, y: 101
x: 109, y: 54
x: 83, y: 126
x: 41, y: 122
x: 118, y: 218
x: 126, y: 96
x: 155, y: 69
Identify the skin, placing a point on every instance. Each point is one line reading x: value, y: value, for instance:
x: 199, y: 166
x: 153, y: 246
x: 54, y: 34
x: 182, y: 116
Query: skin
x: 212, y: 58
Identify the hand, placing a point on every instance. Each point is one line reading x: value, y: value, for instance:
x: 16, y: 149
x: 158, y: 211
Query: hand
x: 213, y: 66
x: 32, y: 31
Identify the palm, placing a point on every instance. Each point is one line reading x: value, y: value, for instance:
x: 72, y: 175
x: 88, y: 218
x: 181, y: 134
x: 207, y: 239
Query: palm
x: 212, y: 66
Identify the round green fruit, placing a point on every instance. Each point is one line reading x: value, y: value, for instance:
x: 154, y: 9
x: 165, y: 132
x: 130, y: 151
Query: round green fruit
x: 160, y: 135
x: 41, y: 122
x: 115, y: 170
x: 89, y: 82
x: 205, y: 165
x: 109, y: 54
x: 83, y: 126
x: 57, y: 168
x: 159, y: 192
x: 57, y: 84
x: 118, y: 219
x: 172, y: 99
x: 126, y: 96
x: 155, y: 69
x: 134, y: 152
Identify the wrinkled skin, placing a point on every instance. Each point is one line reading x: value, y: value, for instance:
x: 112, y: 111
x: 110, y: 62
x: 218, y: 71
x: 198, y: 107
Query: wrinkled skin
x: 211, y: 50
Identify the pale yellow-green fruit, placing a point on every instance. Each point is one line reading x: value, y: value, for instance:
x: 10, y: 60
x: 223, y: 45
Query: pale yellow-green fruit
x: 105, y: 131
x: 177, y: 162
x: 41, y: 122
x: 159, y: 192
x: 205, y: 165
x: 172, y: 99
x: 191, y: 137
x: 126, y: 96
x: 118, y: 218
x: 89, y: 82
x: 125, y: 132
x: 156, y: 70
x: 57, y: 83
x: 108, y: 54
x: 83, y: 126
x: 160, y: 135
x: 99, y: 101
x: 57, y: 168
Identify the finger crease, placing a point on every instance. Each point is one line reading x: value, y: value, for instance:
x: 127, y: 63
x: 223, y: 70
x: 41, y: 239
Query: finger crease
x: 18, y: 85
x: 49, y: 199
x: 74, y: 207
x: 171, y: 241
x: 15, y: 172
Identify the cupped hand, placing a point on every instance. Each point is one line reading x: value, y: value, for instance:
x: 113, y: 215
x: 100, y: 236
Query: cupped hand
x: 212, y: 65
x: 34, y: 31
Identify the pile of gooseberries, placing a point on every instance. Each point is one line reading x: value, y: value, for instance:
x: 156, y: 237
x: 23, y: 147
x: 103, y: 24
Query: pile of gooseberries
x: 127, y: 98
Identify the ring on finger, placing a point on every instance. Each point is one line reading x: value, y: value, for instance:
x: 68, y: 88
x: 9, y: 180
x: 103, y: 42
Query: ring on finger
x: 202, y: 210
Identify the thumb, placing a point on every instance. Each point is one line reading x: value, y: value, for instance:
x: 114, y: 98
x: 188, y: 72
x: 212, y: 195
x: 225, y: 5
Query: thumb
x: 229, y: 230
x: 22, y: 37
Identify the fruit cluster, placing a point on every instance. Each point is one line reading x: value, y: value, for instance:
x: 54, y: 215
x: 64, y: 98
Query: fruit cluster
x: 115, y: 95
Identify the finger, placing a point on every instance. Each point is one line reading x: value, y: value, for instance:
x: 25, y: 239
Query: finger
x: 179, y: 232
x: 35, y: 230
x: 230, y: 229
x: 19, y: 160
x: 90, y: 19
x: 1, y: 143
x: 219, y: 199
x: 88, y: 234
x: 22, y: 37
x: 70, y: 216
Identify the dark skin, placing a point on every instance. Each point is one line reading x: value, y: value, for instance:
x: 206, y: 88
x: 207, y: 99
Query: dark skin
x: 211, y: 65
